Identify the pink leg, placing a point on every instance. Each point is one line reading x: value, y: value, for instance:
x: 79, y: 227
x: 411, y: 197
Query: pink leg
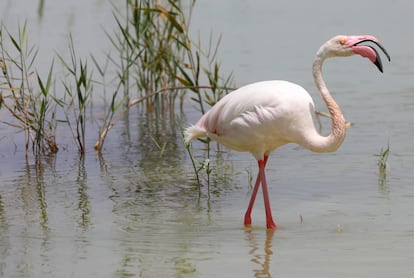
x: 270, y: 224
x: 247, y: 216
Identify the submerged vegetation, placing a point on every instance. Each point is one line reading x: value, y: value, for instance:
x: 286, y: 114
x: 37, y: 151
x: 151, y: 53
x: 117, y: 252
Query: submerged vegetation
x: 156, y: 62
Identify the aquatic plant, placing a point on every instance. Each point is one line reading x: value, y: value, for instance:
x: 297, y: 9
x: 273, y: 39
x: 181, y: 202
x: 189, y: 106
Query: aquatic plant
x: 31, y: 108
x: 158, y: 59
x: 154, y: 65
x: 77, y: 95
x: 383, y: 163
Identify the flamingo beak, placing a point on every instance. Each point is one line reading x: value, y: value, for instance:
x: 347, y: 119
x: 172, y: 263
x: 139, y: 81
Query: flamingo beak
x: 355, y: 44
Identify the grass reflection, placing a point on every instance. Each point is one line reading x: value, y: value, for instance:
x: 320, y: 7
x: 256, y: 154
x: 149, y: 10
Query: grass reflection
x: 83, y: 203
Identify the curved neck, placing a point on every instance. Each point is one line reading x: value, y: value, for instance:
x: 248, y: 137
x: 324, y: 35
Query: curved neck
x: 336, y: 137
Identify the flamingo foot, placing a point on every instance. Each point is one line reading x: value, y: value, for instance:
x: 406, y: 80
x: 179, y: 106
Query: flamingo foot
x: 247, y: 220
x: 270, y: 224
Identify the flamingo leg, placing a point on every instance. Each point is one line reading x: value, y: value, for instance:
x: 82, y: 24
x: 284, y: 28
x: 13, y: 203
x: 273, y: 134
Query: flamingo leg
x: 247, y: 216
x: 270, y: 224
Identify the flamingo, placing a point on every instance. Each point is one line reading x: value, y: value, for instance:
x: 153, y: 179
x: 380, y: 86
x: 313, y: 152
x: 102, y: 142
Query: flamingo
x: 260, y: 117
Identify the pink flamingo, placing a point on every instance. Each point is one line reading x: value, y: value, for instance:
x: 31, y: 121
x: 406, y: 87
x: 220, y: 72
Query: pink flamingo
x: 260, y: 117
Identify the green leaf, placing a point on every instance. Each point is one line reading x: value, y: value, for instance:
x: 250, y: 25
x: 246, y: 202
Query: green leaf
x: 45, y: 89
x: 183, y: 81
x: 15, y: 43
x: 65, y: 65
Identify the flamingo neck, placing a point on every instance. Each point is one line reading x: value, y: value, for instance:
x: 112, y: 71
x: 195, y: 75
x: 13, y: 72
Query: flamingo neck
x: 337, y: 135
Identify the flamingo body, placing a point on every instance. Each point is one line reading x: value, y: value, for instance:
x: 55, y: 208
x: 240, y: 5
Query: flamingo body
x: 260, y: 117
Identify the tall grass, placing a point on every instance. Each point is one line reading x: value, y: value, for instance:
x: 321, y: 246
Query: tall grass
x: 154, y: 63
x: 31, y: 107
x: 78, y: 89
x: 157, y: 58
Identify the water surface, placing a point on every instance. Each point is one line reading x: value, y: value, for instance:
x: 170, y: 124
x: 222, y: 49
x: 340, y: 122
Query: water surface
x: 134, y: 213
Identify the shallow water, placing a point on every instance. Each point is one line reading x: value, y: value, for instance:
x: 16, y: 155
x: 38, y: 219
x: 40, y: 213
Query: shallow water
x: 134, y: 213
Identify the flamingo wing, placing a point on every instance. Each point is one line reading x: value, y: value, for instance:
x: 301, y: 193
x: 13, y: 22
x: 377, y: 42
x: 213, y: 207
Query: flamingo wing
x: 259, y: 117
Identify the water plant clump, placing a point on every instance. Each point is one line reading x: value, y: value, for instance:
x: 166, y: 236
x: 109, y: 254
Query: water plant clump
x: 383, y: 164
x: 157, y: 58
x: 31, y: 108
x: 154, y: 63
x: 77, y: 95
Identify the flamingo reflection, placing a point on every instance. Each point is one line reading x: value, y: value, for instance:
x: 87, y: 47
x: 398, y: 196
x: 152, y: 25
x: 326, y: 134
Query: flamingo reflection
x: 260, y: 258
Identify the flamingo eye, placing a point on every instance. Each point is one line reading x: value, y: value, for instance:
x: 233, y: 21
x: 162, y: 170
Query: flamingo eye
x: 342, y: 41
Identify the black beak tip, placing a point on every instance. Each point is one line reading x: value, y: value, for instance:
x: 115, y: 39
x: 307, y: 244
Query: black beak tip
x: 378, y: 63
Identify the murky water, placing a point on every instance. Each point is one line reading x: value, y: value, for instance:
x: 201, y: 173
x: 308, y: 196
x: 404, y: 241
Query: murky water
x: 133, y: 212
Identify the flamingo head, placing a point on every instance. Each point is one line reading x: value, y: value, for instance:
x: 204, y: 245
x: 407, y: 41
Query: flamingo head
x: 350, y: 45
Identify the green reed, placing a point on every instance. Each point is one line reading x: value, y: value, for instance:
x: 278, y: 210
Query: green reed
x: 31, y: 107
x: 383, y: 163
x: 78, y: 89
x: 157, y: 58
x: 156, y: 54
x: 153, y: 65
